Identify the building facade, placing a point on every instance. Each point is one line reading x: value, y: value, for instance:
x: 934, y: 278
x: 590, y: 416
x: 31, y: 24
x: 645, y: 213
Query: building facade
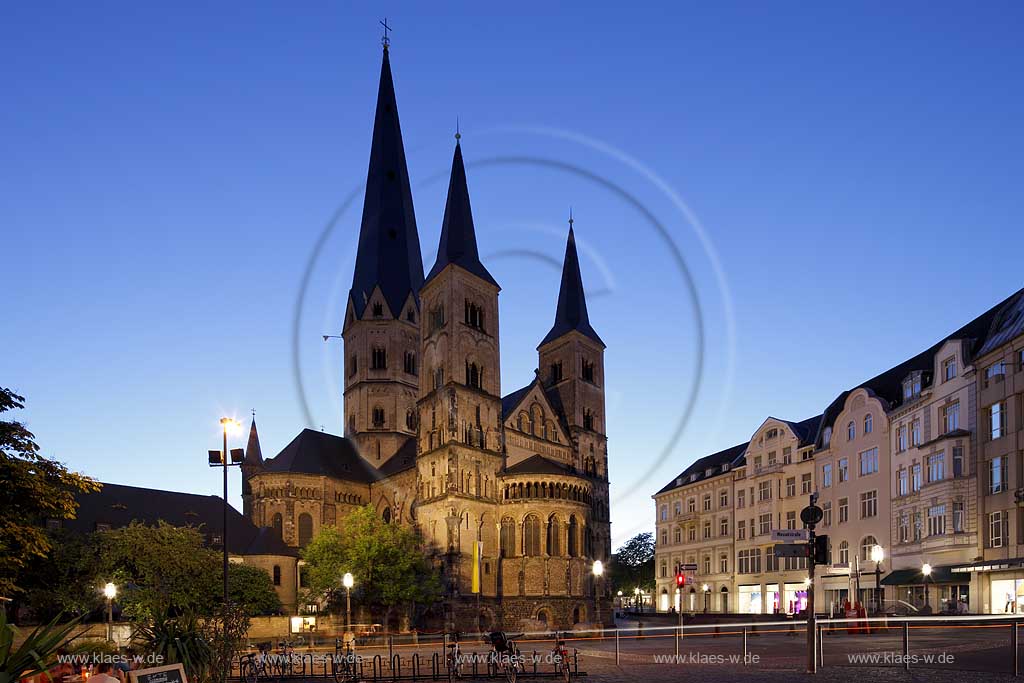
x: 923, y: 461
x: 431, y: 440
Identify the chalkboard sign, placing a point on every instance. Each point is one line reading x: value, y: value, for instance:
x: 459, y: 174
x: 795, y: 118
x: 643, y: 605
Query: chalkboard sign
x: 172, y: 673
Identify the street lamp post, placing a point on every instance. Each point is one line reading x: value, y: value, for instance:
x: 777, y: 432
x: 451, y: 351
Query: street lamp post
x: 348, y: 582
x: 926, y: 570
x: 878, y: 554
x: 221, y: 459
x: 110, y: 592
x: 598, y: 572
x: 636, y: 600
x: 706, y: 588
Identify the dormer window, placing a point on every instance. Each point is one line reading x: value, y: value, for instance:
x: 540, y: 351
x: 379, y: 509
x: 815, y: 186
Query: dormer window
x: 410, y: 315
x: 912, y: 387
x: 826, y: 437
x: 949, y: 368
x: 378, y: 310
x: 725, y: 467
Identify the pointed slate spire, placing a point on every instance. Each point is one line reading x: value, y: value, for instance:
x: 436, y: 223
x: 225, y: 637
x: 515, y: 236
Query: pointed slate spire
x: 458, y: 236
x: 253, y: 452
x: 389, y: 245
x: 571, y: 313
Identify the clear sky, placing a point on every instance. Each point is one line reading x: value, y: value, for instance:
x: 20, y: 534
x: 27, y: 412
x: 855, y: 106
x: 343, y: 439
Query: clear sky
x: 853, y: 175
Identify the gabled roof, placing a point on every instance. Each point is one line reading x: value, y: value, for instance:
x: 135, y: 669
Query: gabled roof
x: 388, y: 254
x: 510, y: 402
x: 313, y: 452
x: 538, y: 464
x: 403, y: 459
x: 1007, y: 325
x: 116, y: 505
x: 268, y: 542
x: 571, y: 312
x: 458, y: 235
x: 805, y: 430
x: 887, y: 386
x: 732, y: 456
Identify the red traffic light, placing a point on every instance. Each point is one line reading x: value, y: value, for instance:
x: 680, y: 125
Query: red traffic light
x: 680, y: 579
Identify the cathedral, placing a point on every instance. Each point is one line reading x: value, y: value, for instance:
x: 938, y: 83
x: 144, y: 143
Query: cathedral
x: 510, y: 487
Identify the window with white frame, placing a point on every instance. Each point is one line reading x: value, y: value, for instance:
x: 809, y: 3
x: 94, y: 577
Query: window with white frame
x: 826, y: 475
x: 678, y: 508
x: 805, y: 483
x: 791, y: 519
x: 958, y: 516
x: 997, y: 526
x: 937, y: 520
x: 741, y: 498
x: 997, y: 471
x: 869, y: 504
x: 706, y: 564
x: 723, y: 526
x: 904, y: 527
x: 749, y: 561
x: 844, y: 510
x: 901, y: 482
x: 677, y: 535
x: 827, y: 509
x: 868, y: 461
x: 706, y: 502
x: 915, y: 477
x: 723, y: 498
x: 691, y: 505
x: 664, y: 512
x: 997, y: 369
x: 741, y: 530
x: 844, y: 553
x: 765, y: 524
x: 866, y: 546
x: 790, y: 487
x: 997, y: 420
x: 869, y: 424
x: 764, y: 491
x: 851, y: 431
x: 917, y: 527
x: 723, y: 564
x: 915, y: 433
x: 901, y: 439
x: 958, y: 462
x: 664, y: 536
x: 844, y: 469
x: 707, y: 529
x: 691, y: 533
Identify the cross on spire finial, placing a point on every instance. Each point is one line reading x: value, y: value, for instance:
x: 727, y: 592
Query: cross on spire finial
x: 570, y: 217
x: 458, y: 130
x: 385, y: 40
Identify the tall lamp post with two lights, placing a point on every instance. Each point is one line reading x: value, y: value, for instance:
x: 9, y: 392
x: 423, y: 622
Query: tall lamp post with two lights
x: 223, y: 459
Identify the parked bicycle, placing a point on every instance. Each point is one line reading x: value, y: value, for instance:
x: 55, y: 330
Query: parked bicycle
x: 343, y: 665
x: 453, y: 658
x: 257, y: 665
x: 505, y: 655
x: 560, y: 657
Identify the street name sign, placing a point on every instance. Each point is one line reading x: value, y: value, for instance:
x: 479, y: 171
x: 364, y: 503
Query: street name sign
x: 790, y: 535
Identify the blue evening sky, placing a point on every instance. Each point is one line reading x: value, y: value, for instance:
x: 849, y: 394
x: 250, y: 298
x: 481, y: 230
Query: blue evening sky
x: 842, y: 183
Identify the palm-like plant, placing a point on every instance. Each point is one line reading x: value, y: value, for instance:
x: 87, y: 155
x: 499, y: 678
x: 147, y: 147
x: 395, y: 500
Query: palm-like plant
x: 36, y: 654
x: 179, y: 640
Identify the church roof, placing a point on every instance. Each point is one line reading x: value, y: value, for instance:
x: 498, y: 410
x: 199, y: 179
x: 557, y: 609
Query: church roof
x: 510, y: 402
x: 268, y: 542
x: 402, y: 460
x: 388, y: 254
x: 571, y: 313
x: 538, y: 464
x: 313, y: 452
x: 253, y: 452
x: 116, y: 505
x: 458, y: 235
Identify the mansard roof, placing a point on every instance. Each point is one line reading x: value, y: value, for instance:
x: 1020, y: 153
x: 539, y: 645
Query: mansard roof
x: 388, y: 254
x: 320, y: 453
x: 733, y: 457
x: 458, y: 234
x: 117, y: 505
x: 571, y: 312
x: 1007, y: 325
x: 538, y: 464
x: 805, y: 430
x: 887, y: 386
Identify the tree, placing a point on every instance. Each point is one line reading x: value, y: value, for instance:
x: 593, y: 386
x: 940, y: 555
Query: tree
x: 33, y: 489
x: 67, y: 582
x: 391, y: 563
x: 634, y: 564
x: 167, y: 570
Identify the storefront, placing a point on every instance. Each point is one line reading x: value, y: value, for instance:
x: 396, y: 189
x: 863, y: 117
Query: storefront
x: 751, y: 599
x: 942, y: 590
x: 794, y: 597
x: 998, y: 586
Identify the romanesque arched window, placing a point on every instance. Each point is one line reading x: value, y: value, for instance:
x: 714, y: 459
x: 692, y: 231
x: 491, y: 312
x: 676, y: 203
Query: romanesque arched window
x: 574, y: 531
x: 277, y: 575
x: 508, y: 537
x: 474, y: 375
x: 305, y: 528
x: 531, y: 536
x: 386, y: 515
x: 554, y: 533
x: 278, y: 524
x: 378, y: 417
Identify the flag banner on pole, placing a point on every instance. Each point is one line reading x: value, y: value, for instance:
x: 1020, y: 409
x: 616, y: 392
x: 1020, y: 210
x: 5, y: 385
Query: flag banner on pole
x: 477, y: 552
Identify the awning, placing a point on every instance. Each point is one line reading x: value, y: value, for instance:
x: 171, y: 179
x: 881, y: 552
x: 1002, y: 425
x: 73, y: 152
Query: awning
x: 914, y: 577
x: 989, y: 565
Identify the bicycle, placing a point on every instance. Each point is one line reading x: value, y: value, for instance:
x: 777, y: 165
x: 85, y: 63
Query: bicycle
x: 255, y: 665
x: 560, y: 656
x: 505, y: 655
x: 285, y: 667
x: 344, y: 655
x: 453, y: 659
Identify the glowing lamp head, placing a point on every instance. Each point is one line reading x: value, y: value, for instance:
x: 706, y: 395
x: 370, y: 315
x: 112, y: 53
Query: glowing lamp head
x: 110, y: 591
x: 705, y: 588
x: 926, y: 569
x: 807, y: 582
x: 598, y: 567
x: 347, y: 580
x: 877, y: 553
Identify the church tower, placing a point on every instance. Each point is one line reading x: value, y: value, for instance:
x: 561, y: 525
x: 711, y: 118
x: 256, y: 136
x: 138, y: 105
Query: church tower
x: 571, y: 360
x: 460, y: 394
x: 252, y: 465
x: 381, y: 331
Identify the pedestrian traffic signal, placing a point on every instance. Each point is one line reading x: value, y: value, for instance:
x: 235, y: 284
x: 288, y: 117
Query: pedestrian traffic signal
x: 822, y: 550
x: 680, y: 579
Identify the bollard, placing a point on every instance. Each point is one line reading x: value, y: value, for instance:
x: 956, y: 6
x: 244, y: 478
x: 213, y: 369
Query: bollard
x: 906, y: 645
x: 1013, y: 646
x: 679, y: 635
x: 821, y: 649
x: 616, y: 647
x: 745, y: 659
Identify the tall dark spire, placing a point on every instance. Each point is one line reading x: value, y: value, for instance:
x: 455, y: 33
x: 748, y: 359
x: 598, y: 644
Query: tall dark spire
x: 571, y: 313
x: 389, y: 245
x: 458, y: 236
x: 253, y: 452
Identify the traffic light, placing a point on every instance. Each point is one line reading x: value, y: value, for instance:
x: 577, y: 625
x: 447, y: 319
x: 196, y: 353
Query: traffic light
x: 680, y: 579
x: 822, y: 549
